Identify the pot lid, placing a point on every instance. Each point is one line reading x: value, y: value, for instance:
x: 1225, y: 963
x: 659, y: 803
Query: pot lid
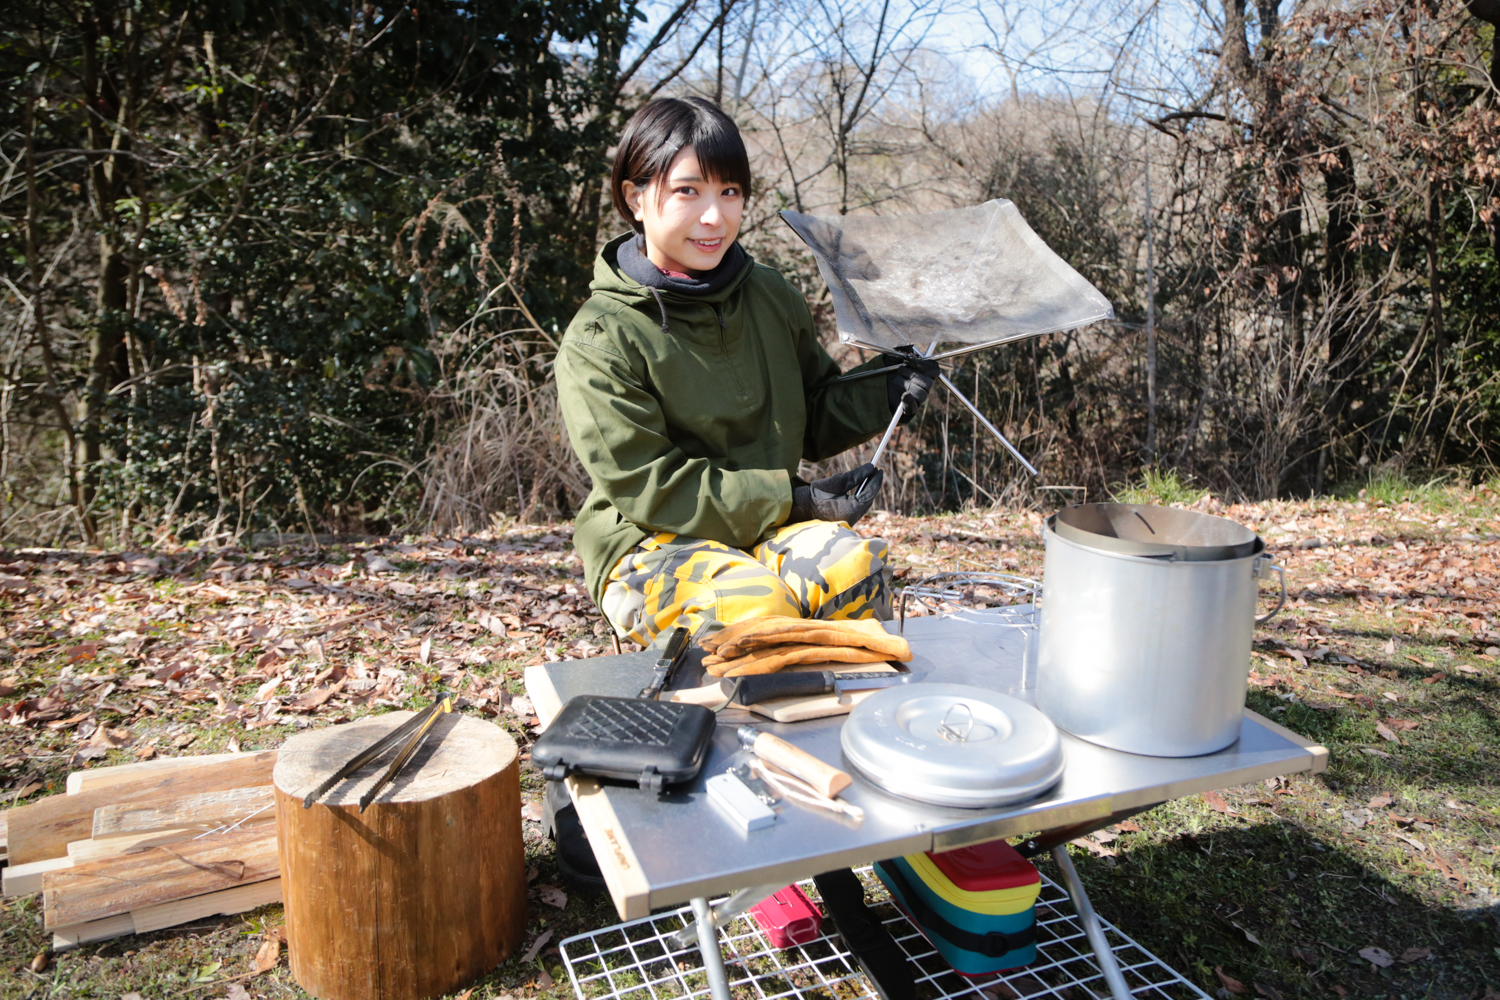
x: 1138, y: 529
x: 953, y: 745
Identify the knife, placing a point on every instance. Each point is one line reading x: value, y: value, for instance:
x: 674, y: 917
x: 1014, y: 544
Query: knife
x: 676, y: 646
x: 760, y: 687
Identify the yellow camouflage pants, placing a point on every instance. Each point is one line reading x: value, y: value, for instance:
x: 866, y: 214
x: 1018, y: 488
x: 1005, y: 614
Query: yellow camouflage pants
x: 814, y: 569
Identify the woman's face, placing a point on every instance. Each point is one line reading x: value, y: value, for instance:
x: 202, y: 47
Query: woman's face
x: 690, y: 220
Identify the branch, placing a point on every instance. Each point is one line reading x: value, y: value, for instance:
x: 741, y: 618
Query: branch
x: 655, y: 43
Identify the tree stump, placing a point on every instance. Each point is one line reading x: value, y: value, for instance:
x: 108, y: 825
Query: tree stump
x: 422, y: 892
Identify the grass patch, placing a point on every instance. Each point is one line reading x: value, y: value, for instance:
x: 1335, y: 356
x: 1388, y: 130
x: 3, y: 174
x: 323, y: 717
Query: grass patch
x: 1163, y: 487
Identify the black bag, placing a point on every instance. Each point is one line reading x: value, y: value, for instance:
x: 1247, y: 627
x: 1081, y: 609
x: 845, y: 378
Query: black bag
x: 652, y: 743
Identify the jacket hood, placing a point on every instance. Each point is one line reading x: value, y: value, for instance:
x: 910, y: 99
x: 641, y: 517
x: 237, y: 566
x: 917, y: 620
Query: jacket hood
x: 611, y: 280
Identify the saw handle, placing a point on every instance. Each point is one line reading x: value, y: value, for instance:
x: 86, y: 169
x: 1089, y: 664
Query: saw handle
x: 827, y: 779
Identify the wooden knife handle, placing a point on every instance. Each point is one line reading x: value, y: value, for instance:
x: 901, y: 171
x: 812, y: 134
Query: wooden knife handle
x: 824, y: 777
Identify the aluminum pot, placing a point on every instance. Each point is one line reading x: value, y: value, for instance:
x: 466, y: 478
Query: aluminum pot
x: 1147, y: 655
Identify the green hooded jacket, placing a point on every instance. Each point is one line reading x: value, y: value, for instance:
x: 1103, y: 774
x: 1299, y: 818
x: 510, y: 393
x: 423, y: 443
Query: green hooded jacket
x: 699, y: 430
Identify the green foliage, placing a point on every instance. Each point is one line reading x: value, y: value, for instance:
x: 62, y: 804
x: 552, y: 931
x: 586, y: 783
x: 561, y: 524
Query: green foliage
x: 1163, y: 487
x: 318, y: 195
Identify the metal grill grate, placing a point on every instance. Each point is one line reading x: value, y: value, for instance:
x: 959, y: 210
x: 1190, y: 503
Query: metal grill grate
x: 636, y: 961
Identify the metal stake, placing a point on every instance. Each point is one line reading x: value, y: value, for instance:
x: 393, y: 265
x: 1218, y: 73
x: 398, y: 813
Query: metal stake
x: 708, y: 945
x: 1107, y: 964
x: 988, y: 426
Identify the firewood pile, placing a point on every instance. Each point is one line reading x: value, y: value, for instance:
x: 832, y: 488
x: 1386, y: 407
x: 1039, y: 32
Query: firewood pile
x: 144, y: 846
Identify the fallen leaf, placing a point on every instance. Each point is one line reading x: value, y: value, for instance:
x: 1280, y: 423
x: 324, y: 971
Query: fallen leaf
x: 1269, y: 992
x: 1412, y: 841
x: 1096, y: 849
x: 1376, y: 753
x: 544, y: 981
x: 41, y: 961
x: 25, y: 790
x: 1403, y: 725
x: 425, y: 654
x: 1248, y: 936
x: 1435, y: 678
x: 1127, y: 827
x: 1339, y: 990
x: 1381, y: 801
x: 267, y: 955
x: 233, y: 746
x: 1216, y: 802
x: 1231, y: 984
x: 1104, y: 836
x: 552, y: 896
x: 530, y: 810
x: 1411, y: 955
x: 1386, y: 733
x: 1376, y: 956
x: 1390, y: 696
x: 234, y: 991
x: 536, y: 946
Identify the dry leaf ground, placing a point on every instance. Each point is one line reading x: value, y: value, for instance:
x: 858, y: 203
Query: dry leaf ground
x: 1389, y: 654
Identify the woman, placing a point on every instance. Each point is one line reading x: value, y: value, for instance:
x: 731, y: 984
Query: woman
x: 692, y: 382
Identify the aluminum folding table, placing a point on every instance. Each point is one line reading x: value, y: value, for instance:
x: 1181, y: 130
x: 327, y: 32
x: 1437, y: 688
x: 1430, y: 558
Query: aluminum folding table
x: 657, y: 851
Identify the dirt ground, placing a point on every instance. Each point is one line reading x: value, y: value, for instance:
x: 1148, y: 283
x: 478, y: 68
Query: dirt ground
x: 1376, y: 878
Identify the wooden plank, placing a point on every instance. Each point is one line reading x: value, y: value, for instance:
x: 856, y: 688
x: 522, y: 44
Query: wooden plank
x: 111, y: 886
x: 101, y: 777
x: 64, y: 938
x: 193, y: 812
x: 544, y: 697
x: 154, y: 918
x: 80, y: 851
x: 44, y: 829
x: 4, y: 834
x: 21, y: 880
x: 181, y: 911
x: 1318, y: 751
x: 617, y: 861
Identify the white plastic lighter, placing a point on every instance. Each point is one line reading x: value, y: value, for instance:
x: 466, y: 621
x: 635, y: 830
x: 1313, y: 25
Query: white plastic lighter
x: 738, y: 803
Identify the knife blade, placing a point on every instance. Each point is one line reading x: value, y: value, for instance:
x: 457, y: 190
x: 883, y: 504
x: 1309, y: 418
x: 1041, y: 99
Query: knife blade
x: 662, y: 672
x: 760, y: 687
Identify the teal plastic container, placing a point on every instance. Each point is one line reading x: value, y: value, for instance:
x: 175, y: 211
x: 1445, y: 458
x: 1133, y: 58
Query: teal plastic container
x: 977, y: 905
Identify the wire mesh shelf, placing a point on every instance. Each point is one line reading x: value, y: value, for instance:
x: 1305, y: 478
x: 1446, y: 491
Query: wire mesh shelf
x: 637, y: 961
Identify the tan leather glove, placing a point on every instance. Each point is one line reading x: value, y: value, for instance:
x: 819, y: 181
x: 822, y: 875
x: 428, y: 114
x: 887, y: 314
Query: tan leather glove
x: 773, y: 658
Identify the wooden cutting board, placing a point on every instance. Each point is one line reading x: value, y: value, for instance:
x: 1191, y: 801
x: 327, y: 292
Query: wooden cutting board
x: 800, y: 707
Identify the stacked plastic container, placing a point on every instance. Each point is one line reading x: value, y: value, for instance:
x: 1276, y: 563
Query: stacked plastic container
x: 976, y: 905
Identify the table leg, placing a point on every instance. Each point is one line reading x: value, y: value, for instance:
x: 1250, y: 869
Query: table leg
x: 1107, y: 964
x: 708, y: 944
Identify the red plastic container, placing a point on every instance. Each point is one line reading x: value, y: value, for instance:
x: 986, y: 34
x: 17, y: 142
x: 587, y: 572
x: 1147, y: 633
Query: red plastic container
x: 788, y: 917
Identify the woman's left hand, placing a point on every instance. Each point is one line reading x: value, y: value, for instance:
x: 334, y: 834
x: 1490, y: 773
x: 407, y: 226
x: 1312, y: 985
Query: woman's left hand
x: 909, y: 385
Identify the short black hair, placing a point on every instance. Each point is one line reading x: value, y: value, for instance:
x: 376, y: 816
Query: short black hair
x: 660, y: 129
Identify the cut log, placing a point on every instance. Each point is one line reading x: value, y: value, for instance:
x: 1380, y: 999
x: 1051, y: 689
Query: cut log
x: 101, y: 777
x: 182, y: 911
x: 428, y: 891
x: 22, y: 880
x: 104, y: 888
x: 192, y: 812
x: 44, y: 829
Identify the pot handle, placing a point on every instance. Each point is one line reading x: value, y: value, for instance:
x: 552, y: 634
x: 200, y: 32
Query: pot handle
x: 1262, y: 570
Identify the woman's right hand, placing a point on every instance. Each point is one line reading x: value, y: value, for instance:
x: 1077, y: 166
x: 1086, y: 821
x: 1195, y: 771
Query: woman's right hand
x: 845, y: 496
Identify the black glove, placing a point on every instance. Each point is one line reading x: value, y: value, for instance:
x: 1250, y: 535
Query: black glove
x: 909, y: 385
x: 842, y: 497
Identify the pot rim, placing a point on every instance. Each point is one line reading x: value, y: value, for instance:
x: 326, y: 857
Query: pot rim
x: 1048, y: 533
